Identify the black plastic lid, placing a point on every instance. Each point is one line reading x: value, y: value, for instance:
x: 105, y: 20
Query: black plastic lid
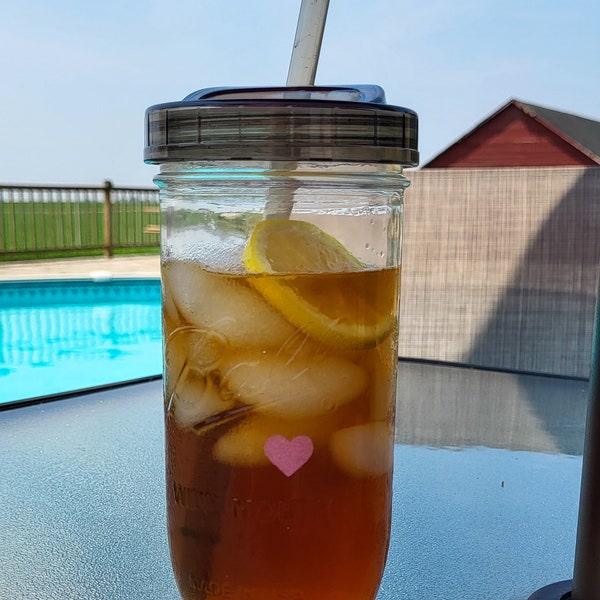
x: 334, y: 123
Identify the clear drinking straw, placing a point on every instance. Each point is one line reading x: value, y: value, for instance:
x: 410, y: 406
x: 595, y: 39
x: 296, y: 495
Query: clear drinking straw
x: 303, y: 67
x: 307, y: 42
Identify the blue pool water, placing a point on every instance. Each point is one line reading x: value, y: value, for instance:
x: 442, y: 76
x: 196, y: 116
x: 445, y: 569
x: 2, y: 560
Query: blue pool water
x: 61, y: 336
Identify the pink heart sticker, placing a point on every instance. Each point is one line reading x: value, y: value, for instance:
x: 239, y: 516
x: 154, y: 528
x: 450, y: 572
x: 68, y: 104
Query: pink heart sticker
x: 288, y: 455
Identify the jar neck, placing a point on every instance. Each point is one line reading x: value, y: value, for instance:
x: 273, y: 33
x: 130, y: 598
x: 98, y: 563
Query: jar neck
x: 278, y: 169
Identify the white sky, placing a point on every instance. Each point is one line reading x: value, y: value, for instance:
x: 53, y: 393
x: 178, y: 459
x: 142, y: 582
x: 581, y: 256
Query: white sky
x: 77, y: 75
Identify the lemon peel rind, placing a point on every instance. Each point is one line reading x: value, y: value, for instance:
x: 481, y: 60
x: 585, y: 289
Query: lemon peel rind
x: 256, y: 262
x: 296, y: 310
x: 318, y: 326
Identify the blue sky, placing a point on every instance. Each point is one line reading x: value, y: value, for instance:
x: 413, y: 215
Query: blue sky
x: 78, y: 75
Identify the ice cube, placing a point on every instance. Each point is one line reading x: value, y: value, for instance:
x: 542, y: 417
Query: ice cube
x: 293, y: 387
x: 227, y: 306
x: 382, y: 391
x: 243, y: 446
x: 196, y: 398
x: 199, y: 349
x: 364, y: 450
x: 191, y: 349
x: 168, y: 304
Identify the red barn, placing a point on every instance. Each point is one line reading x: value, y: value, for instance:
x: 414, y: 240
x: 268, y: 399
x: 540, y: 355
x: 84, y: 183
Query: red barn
x: 525, y: 135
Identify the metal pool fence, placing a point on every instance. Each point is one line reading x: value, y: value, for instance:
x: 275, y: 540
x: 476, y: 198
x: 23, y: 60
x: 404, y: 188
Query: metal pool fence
x: 36, y: 219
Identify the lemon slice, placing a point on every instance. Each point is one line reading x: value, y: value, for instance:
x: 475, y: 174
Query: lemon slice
x: 289, y: 247
x: 317, y: 285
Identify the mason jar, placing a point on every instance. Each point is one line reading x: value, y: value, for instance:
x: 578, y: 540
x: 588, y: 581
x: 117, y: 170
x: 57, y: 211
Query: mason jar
x: 281, y: 222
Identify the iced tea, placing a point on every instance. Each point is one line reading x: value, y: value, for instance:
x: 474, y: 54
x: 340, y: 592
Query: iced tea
x: 279, y: 433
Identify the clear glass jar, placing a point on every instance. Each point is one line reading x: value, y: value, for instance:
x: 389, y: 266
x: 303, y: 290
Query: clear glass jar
x: 280, y: 306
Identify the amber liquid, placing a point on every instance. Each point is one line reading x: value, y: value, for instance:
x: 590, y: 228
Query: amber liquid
x: 310, y: 519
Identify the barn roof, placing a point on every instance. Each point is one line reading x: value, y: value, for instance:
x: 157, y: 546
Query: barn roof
x: 580, y: 132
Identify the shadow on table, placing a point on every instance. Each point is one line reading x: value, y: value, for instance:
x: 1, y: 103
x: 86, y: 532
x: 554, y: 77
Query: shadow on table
x: 442, y: 405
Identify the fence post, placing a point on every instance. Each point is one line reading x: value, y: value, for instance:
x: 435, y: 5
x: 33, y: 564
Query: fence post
x: 107, y: 219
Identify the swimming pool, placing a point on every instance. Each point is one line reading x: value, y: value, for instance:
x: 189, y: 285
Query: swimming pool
x: 61, y: 336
